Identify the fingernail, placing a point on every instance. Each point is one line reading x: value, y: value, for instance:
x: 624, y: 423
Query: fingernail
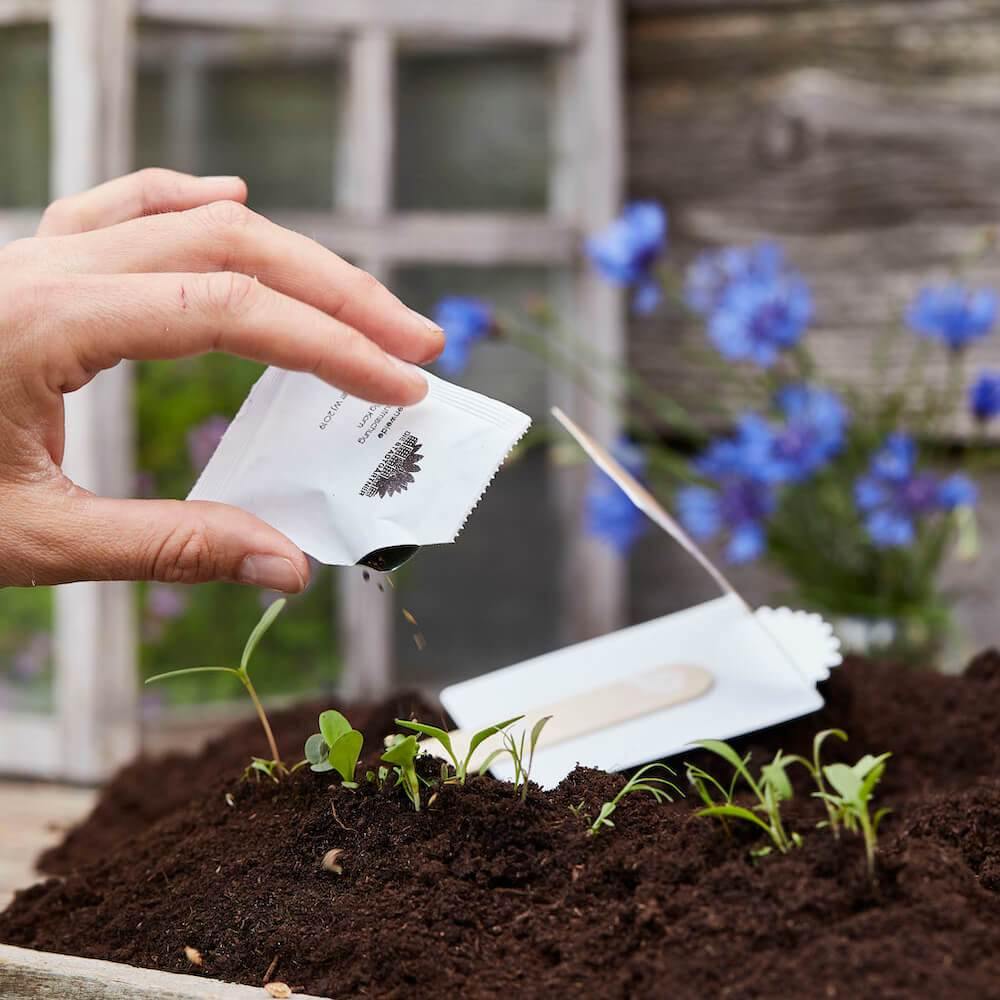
x: 272, y: 572
x: 412, y: 373
x: 429, y: 323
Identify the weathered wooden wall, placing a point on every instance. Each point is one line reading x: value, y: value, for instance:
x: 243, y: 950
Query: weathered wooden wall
x: 864, y: 136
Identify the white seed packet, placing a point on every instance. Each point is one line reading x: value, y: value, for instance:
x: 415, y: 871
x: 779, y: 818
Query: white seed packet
x: 347, y: 480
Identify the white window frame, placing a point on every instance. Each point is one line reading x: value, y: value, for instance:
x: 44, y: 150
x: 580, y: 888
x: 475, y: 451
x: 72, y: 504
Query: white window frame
x: 95, y: 724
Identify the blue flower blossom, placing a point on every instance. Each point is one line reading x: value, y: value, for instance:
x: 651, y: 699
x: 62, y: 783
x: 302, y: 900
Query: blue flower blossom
x: 894, y: 495
x: 625, y: 252
x: 953, y: 314
x: 748, y: 453
x: 739, y: 507
x: 816, y: 419
x: 609, y: 515
x: 757, y: 319
x: 465, y: 322
x: 984, y: 396
x: 714, y: 271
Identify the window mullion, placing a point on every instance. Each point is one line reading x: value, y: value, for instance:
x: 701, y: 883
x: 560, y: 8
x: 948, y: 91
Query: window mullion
x: 365, y: 194
x: 586, y: 188
x: 96, y: 677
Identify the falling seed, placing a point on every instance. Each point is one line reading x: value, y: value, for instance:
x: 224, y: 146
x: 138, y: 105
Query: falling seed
x: 278, y: 990
x: 230, y: 801
x: 193, y: 955
x: 365, y: 575
x: 408, y: 615
x: 331, y: 862
x: 419, y: 641
x: 381, y: 588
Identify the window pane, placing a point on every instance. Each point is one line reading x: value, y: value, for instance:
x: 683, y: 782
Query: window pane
x: 183, y: 409
x: 26, y: 650
x: 474, y: 131
x: 24, y: 111
x: 493, y: 597
x: 265, y: 107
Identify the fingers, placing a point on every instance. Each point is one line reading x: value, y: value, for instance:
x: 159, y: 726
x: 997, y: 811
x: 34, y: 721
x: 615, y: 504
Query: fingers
x: 101, y: 320
x: 226, y: 236
x: 83, y: 537
x: 146, y: 192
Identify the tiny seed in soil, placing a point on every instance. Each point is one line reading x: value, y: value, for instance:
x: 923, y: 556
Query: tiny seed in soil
x: 278, y: 990
x: 193, y: 955
x: 230, y: 801
x: 408, y: 615
x: 419, y: 641
x: 331, y: 861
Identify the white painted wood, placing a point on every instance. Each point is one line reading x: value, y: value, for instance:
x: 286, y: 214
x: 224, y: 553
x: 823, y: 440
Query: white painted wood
x: 552, y: 22
x: 235, y: 48
x: 365, y: 193
x: 474, y: 238
x: 16, y: 224
x: 23, y: 11
x: 36, y: 975
x: 30, y: 745
x: 96, y: 678
x: 368, y: 142
x: 586, y: 191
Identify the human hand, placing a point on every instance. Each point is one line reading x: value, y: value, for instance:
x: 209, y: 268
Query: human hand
x: 162, y: 265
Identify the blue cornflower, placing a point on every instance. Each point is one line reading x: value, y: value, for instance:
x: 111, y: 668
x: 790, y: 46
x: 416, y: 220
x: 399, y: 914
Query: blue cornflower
x: 713, y: 271
x: 953, y: 314
x: 749, y: 452
x: 757, y: 319
x: 626, y: 251
x: 816, y: 419
x: 893, y: 495
x: 465, y: 322
x: 608, y: 513
x: 739, y: 506
x: 984, y: 396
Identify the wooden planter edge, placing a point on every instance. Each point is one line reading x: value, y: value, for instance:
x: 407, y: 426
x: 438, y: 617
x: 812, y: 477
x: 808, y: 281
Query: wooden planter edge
x: 32, y: 975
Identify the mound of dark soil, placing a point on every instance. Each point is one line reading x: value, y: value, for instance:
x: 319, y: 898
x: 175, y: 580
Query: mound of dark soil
x: 479, y: 895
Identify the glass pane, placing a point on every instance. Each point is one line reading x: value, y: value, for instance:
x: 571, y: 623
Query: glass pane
x: 183, y: 408
x: 493, y: 597
x: 24, y: 111
x: 474, y: 131
x: 26, y: 650
x: 265, y: 107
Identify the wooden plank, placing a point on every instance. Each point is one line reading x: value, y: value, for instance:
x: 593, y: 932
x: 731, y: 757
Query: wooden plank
x: 859, y: 136
x: 474, y: 238
x: 96, y: 675
x: 552, y: 22
x: 36, y: 975
x: 33, y: 816
x: 23, y: 11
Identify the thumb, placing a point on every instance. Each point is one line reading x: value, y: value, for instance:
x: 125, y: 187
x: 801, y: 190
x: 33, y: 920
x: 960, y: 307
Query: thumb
x: 172, y: 541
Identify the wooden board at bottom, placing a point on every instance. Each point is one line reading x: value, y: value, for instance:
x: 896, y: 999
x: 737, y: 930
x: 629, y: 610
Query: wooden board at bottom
x: 39, y: 975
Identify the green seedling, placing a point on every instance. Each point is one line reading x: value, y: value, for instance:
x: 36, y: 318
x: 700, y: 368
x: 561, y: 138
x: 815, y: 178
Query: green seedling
x: 461, y: 766
x: 853, y: 788
x: 771, y: 789
x: 659, y: 788
x: 402, y: 754
x: 516, y: 749
x: 815, y: 768
x: 276, y: 767
x: 336, y: 747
